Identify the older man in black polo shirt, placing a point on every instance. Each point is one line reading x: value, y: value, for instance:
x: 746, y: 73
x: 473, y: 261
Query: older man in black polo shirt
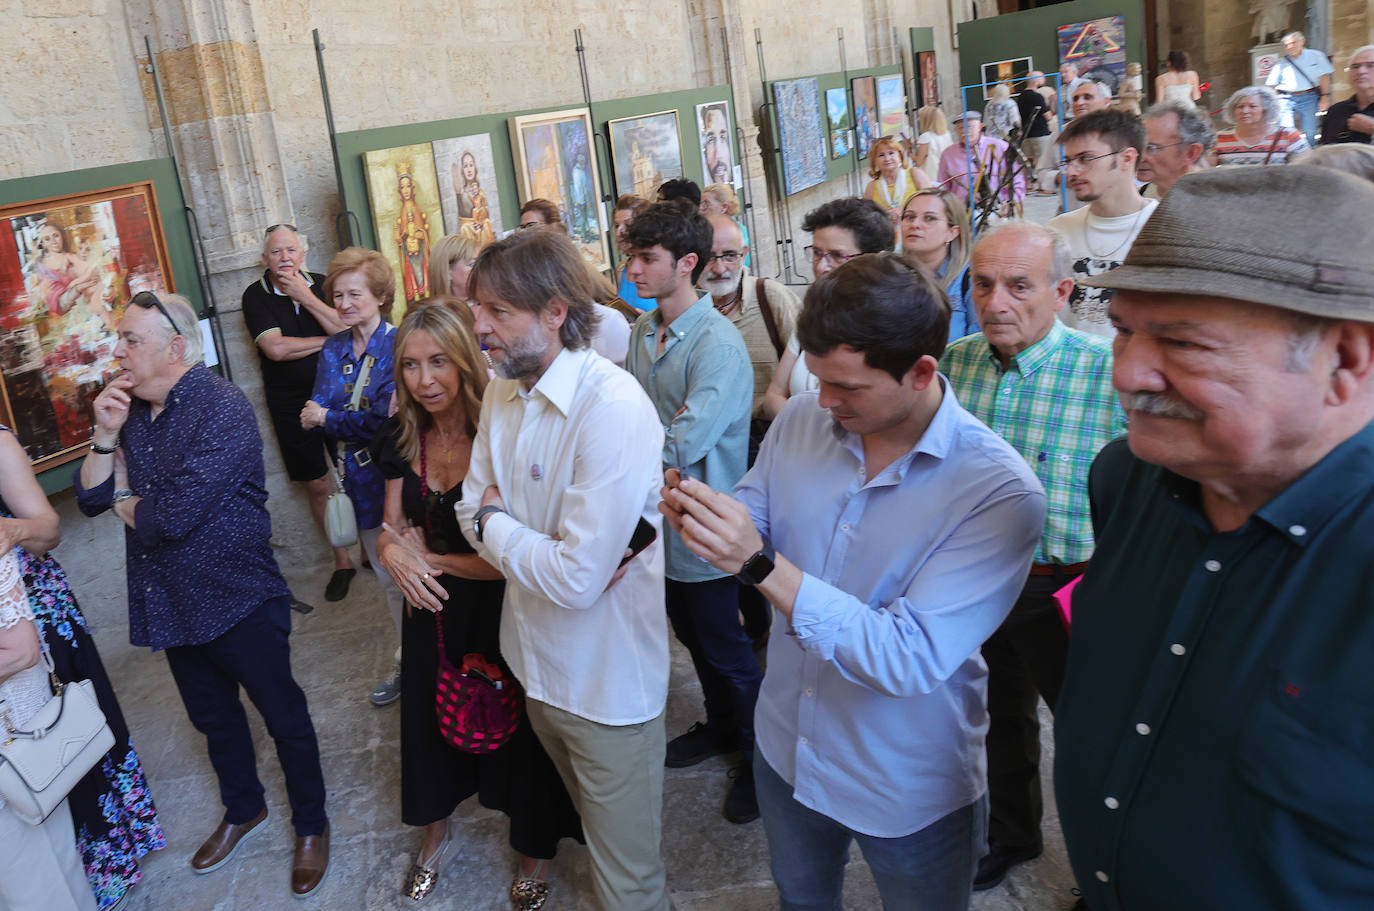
x: 289, y: 323
x: 1214, y: 733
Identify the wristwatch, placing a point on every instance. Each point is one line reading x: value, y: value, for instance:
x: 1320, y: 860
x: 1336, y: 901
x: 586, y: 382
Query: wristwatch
x: 482, y: 514
x: 121, y: 495
x: 757, y: 567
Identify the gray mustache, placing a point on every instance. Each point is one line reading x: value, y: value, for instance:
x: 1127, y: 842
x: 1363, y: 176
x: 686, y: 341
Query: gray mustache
x: 1157, y: 403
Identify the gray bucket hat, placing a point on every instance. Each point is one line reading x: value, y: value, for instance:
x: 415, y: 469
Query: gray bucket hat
x: 1295, y: 237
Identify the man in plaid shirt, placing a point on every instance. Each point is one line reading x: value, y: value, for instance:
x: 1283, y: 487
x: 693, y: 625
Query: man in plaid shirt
x: 1047, y: 390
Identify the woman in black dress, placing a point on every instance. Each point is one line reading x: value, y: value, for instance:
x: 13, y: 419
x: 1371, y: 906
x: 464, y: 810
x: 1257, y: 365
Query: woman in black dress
x: 423, y: 451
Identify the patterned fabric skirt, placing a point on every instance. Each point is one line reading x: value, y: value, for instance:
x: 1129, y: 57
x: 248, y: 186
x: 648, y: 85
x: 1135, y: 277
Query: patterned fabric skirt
x: 112, y: 807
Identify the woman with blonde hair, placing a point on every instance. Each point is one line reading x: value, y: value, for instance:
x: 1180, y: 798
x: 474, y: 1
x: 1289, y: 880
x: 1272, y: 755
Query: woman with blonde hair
x: 932, y: 138
x: 935, y: 232
x: 720, y: 199
x: 893, y: 182
x: 354, y: 382
x: 450, y: 261
x: 1001, y: 116
x: 453, y: 596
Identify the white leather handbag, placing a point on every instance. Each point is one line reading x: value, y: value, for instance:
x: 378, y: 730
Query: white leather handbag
x: 64, y: 740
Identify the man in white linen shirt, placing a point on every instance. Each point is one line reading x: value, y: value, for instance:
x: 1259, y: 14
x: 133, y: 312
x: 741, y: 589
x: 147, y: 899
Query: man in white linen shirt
x: 564, y: 467
x: 901, y: 531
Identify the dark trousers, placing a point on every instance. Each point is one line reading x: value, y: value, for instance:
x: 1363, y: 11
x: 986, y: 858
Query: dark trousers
x: 255, y: 654
x: 705, y: 618
x: 1025, y: 659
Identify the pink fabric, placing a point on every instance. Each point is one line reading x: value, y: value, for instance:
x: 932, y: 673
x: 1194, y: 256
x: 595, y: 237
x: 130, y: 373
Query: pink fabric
x: 1064, y: 597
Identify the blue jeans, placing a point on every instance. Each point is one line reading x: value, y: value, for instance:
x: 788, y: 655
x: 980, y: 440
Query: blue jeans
x: 1300, y: 112
x: 928, y: 870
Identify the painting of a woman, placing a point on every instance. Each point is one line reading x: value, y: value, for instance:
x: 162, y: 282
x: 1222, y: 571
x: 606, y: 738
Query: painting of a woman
x: 474, y: 214
x: 411, y: 236
x: 62, y: 279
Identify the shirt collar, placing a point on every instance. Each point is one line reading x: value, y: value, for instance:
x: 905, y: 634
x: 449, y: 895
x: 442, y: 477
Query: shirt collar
x: 270, y: 288
x: 188, y: 379
x: 558, y: 384
x: 935, y: 442
x: 377, y: 345
x: 684, y: 324
x: 1031, y: 359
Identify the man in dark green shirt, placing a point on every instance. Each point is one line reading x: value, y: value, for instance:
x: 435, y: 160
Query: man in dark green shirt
x: 1215, y: 732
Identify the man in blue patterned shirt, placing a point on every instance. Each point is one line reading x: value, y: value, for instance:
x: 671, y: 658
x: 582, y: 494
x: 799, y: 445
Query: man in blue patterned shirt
x: 176, y: 454
x: 1047, y: 390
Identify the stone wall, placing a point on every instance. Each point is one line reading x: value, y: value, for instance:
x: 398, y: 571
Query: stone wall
x: 247, y: 113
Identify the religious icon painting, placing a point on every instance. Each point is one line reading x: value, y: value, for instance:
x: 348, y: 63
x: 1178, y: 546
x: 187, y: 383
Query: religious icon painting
x: 800, y: 136
x: 928, y: 79
x: 646, y: 150
x: 407, y: 218
x: 68, y: 267
x: 468, y: 191
x: 555, y: 160
x: 841, y: 134
x: 1098, y: 48
x: 716, y: 141
x: 865, y: 112
x: 891, y: 105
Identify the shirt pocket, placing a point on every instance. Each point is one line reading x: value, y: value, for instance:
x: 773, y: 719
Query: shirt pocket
x: 1307, y: 751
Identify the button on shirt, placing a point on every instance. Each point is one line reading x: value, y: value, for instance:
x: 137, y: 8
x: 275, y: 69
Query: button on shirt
x: 198, y: 561
x: 334, y: 378
x: 1299, y: 74
x: 1055, y: 404
x: 1214, y: 739
x: 576, y: 458
x: 874, y: 707
x: 704, y: 366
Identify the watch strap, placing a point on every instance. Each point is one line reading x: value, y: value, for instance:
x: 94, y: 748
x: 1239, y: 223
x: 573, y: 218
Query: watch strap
x: 482, y: 514
x: 757, y: 567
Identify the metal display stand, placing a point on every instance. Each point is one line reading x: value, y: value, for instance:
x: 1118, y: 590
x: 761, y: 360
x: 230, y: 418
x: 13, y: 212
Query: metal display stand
x: 779, y: 210
x: 345, y: 221
x: 192, y: 224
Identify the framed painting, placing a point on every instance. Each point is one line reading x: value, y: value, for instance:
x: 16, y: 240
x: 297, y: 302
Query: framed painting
x: 800, y: 136
x: 891, y: 105
x: 646, y: 151
x: 865, y: 113
x: 403, y: 190
x: 1009, y: 71
x: 468, y: 192
x: 554, y: 161
x: 68, y: 267
x: 716, y: 140
x: 927, y: 79
x: 841, y: 131
x: 1098, y: 48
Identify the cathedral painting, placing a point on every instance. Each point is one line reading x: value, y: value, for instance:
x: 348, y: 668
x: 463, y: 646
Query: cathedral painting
x: 646, y: 150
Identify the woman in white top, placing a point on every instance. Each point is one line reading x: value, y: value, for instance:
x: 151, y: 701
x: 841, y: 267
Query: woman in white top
x: 1178, y: 82
x: 39, y: 866
x: 931, y: 142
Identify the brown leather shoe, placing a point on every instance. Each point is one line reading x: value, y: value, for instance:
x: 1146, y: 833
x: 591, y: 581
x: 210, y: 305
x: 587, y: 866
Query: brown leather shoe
x: 310, y: 864
x: 223, y: 842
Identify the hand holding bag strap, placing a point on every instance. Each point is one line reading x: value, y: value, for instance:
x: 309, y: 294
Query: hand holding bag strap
x: 769, y: 322
x: 364, y: 376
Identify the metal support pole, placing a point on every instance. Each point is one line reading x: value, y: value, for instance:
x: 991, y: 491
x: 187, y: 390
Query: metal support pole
x: 600, y: 147
x: 192, y: 226
x: 853, y: 175
x: 908, y: 87
x: 346, y: 219
x: 780, y: 211
x: 746, y: 192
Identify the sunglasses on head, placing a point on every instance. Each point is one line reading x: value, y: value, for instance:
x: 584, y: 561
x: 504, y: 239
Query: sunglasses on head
x: 270, y: 228
x: 148, y: 300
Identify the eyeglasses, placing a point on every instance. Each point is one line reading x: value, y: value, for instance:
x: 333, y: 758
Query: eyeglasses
x: 818, y: 256
x: 930, y: 218
x: 1356, y: 67
x: 270, y: 228
x: 148, y: 300
x: 1082, y: 161
x: 1153, y: 149
x: 729, y: 257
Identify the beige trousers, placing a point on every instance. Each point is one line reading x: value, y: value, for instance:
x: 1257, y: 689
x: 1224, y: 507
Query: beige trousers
x: 615, y: 777
x: 39, y: 866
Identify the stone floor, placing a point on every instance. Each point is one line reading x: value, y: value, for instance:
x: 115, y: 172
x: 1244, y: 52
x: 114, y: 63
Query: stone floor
x: 340, y: 651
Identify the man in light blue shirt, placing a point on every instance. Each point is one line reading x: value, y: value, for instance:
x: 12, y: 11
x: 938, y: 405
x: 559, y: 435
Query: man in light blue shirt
x: 1302, y: 77
x: 892, y: 531
x: 695, y: 366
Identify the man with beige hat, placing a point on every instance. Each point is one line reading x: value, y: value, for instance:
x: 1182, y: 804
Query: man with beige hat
x: 1214, y: 729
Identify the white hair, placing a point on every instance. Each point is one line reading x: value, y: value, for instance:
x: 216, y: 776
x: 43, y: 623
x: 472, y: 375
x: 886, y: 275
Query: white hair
x: 267, y: 236
x: 1360, y: 50
x: 1102, y: 88
x: 188, y: 322
x: 1061, y: 256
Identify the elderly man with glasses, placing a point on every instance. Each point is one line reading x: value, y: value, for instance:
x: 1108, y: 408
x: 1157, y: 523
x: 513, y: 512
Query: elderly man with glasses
x: 177, y: 456
x: 1352, y: 120
x: 1177, y: 136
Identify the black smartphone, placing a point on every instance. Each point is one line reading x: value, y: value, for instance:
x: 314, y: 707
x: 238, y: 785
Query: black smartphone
x: 644, y: 536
